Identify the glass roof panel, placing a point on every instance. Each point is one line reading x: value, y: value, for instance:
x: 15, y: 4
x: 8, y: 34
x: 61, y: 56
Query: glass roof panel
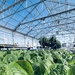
x: 35, y: 17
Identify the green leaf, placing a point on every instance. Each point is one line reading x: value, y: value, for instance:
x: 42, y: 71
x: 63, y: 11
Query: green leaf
x: 45, y: 66
x: 19, y: 68
x: 72, y: 62
x: 15, y: 69
x: 26, y: 66
x: 58, y: 69
x: 72, y: 70
x: 36, y: 67
x: 9, y: 58
x: 2, y: 68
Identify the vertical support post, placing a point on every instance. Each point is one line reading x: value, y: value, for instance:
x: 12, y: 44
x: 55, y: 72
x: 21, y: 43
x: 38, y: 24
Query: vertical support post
x: 13, y: 38
x: 32, y: 42
x: 24, y: 41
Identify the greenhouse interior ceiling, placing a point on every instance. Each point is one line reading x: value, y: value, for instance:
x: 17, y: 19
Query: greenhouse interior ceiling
x: 37, y: 18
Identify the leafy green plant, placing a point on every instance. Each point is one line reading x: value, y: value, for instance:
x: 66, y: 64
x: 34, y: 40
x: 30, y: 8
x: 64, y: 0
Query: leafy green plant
x: 58, y: 69
x: 19, y: 68
x: 9, y: 58
x: 41, y: 62
x: 50, y: 42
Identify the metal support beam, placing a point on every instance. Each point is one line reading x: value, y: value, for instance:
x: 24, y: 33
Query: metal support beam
x: 47, y: 23
x: 61, y: 2
x: 52, y: 27
x: 68, y: 30
x: 11, y: 6
x: 15, y: 31
x: 26, y: 16
x: 33, y: 28
x: 56, y: 34
x: 43, y: 18
x: 12, y: 38
x: 21, y: 10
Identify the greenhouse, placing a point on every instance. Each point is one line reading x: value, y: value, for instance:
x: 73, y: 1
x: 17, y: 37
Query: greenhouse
x: 37, y: 37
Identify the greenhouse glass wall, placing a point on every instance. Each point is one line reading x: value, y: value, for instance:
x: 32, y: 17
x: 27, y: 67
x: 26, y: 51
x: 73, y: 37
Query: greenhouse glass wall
x: 9, y: 37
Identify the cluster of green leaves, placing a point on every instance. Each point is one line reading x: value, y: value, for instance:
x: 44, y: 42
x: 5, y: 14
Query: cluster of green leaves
x: 51, y: 42
x: 42, y: 62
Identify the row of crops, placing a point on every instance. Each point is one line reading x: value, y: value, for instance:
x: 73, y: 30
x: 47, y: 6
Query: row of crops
x: 42, y: 62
